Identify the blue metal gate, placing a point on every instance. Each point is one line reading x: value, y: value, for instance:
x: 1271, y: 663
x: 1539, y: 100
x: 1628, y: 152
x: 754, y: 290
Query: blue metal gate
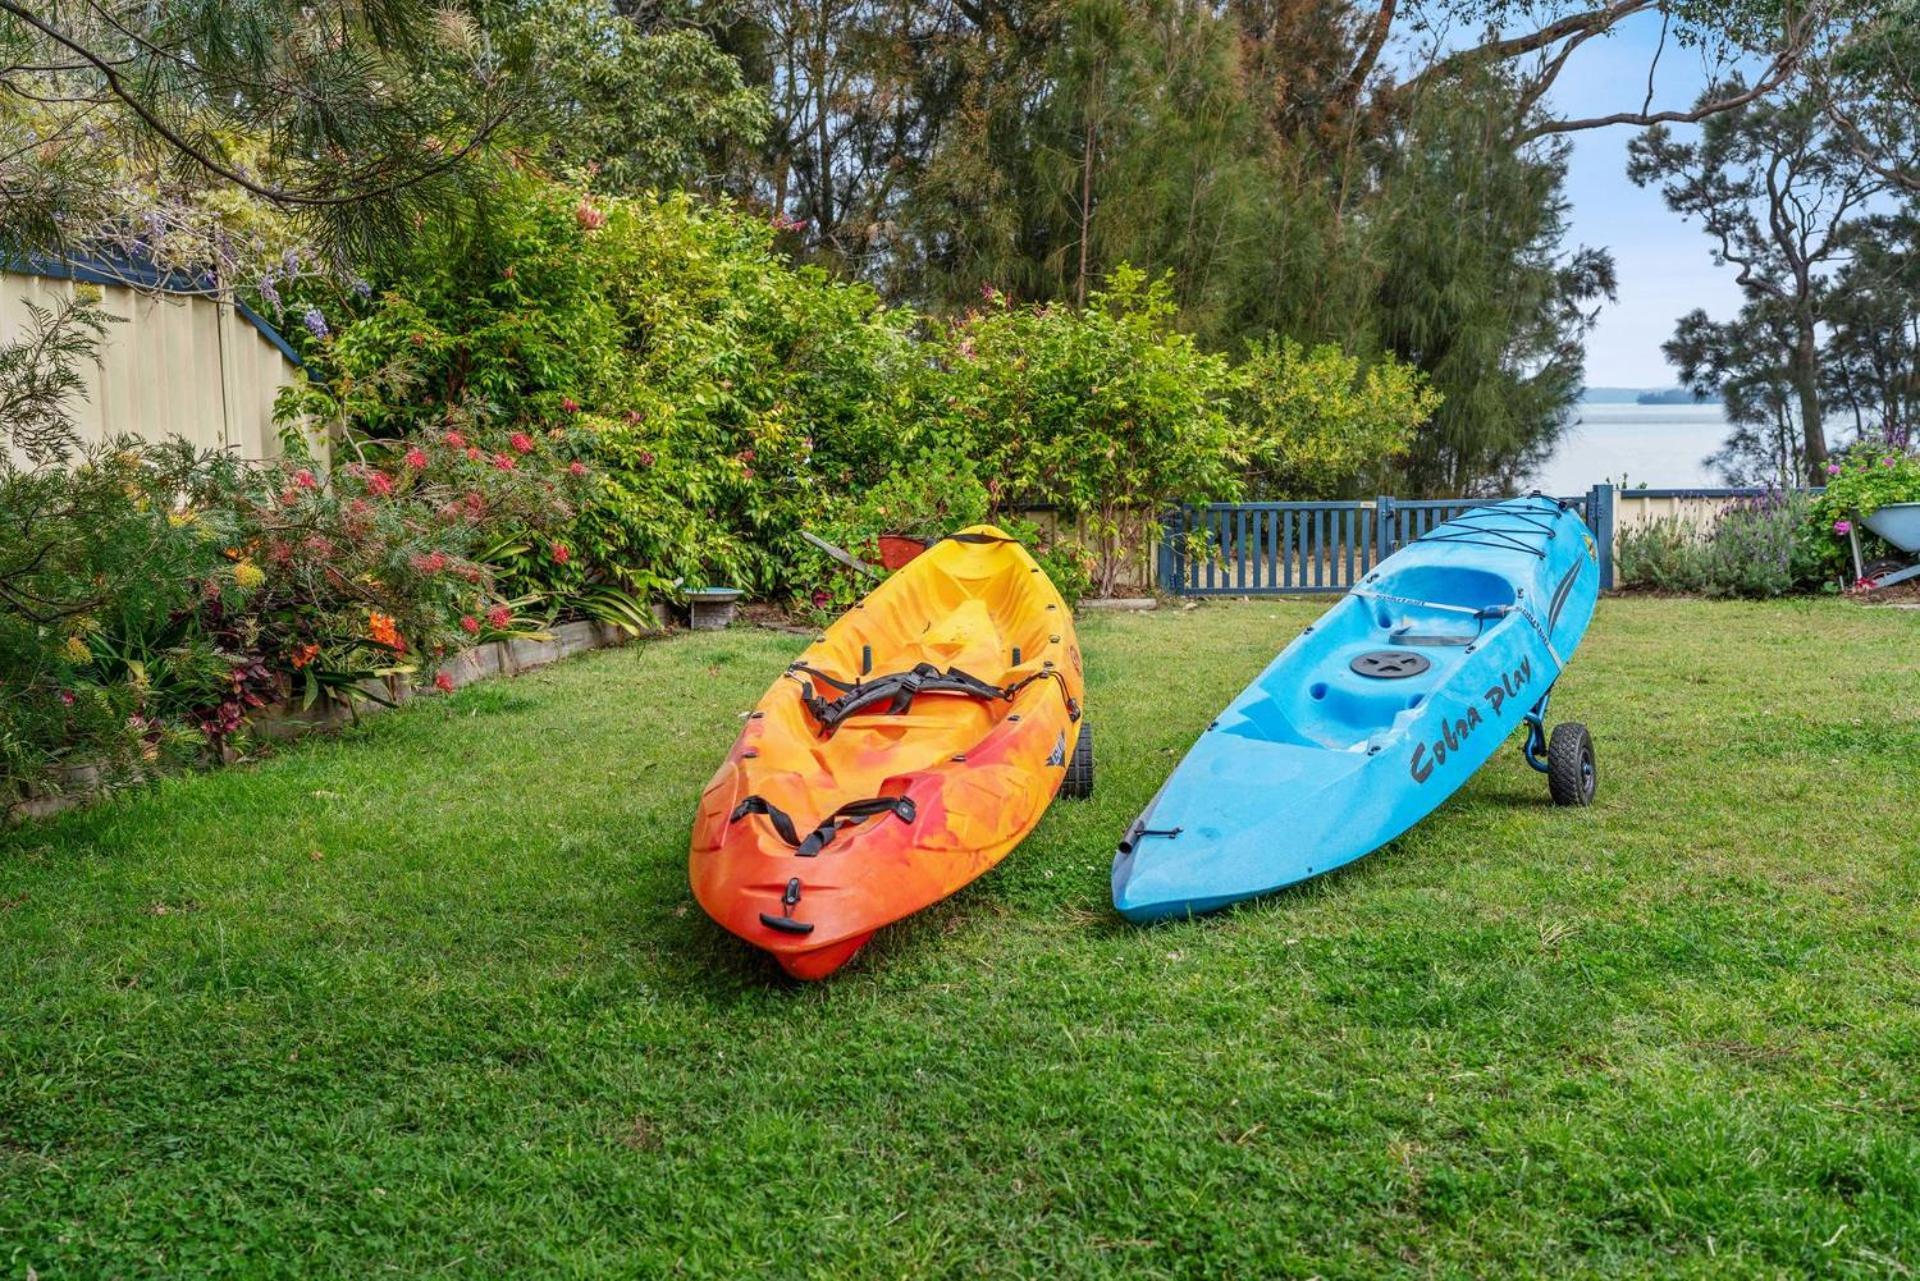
x: 1270, y: 549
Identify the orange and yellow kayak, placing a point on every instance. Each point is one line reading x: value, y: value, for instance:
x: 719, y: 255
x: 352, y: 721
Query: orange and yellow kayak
x: 902, y: 755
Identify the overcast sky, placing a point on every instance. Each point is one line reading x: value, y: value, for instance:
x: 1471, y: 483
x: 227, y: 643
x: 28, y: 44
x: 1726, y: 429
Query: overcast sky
x: 1666, y: 266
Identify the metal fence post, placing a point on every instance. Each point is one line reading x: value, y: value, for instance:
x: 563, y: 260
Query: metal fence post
x: 1388, y: 542
x: 1600, y: 504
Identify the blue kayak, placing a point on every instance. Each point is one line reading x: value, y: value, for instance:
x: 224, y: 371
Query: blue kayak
x: 1376, y: 714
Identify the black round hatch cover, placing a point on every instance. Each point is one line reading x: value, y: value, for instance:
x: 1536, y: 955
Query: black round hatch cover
x: 1390, y: 664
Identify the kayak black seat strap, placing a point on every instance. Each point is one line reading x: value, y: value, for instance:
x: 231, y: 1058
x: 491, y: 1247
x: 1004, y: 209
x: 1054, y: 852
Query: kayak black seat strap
x: 896, y: 690
x: 853, y: 812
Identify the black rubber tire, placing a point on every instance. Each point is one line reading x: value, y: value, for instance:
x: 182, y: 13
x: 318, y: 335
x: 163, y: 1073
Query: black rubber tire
x: 1078, y: 784
x: 1881, y: 568
x: 1571, y: 774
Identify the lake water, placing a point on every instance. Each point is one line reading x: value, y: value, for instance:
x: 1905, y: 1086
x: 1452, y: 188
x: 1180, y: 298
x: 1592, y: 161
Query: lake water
x: 1660, y: 446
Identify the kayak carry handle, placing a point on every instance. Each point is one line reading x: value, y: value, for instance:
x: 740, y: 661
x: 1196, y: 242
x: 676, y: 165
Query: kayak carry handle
x: 785, y: 922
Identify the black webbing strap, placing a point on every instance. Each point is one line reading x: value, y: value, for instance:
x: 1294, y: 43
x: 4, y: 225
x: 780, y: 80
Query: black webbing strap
x: 896, y: 690
x: 819, y: 838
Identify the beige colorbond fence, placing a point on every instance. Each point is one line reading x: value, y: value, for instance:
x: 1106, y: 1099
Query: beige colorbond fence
x: 175, y: 364
x: 1696, y: 508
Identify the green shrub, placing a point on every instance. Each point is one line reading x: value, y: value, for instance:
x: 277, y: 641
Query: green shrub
x: 752, y: 393
x: 1756, y: 548
x: 1109, y: 414
x: 1316, y: 427
x: 1866, y: 479
x: 721, y: 395
x: 1660, y: 555
x: 154, y: 598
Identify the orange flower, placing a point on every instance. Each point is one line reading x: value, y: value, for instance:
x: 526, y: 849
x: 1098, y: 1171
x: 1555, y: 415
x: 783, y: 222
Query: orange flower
x: 380, y: 627
x: 304, y: 654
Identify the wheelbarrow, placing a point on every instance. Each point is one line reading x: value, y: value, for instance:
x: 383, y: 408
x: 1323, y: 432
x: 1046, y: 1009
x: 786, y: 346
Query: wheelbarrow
x: 1899, y: 524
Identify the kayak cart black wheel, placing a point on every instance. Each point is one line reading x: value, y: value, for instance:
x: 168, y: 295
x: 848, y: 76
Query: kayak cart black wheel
x: 1078, y: 784
x: 1571, y: 775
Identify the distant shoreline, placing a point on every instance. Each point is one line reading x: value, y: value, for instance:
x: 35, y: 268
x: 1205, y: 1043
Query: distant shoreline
x: 1642, y: 396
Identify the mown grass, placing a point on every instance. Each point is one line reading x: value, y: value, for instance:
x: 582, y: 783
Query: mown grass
x: 434, y: 998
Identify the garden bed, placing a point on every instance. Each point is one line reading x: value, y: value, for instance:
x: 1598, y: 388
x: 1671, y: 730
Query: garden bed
x: 432, y: 994
x: 76, y: 785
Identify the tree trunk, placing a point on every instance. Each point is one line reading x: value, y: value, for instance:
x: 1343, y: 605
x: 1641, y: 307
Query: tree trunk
x: 1805, y: 372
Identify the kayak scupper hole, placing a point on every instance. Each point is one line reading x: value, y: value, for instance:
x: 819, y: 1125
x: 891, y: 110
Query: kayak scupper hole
x: 1318, y: 689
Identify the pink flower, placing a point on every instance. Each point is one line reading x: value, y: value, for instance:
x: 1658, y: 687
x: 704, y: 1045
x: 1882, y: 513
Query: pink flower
x: 455, y: 440
x: 473, y: 452
x: 469, y: 624
x: 646, y: 458
x: 577, y: 468
x: 589, y: 218
x: 443, y: 682
x: 499, y: 616
x: 745, y: 455
x: 380, y: 483
x: 560, y: 554
x: 1833, y: 469
x: 415, y: 458
x: 304, y: 479
x: 521, y: 442
x: 569, y: 404
x: 504, y: 462
x: 634, y: 415
x: 1843, y: 527
x: 66, y: 696
x: 431, y: 563
x: 1888, y: 461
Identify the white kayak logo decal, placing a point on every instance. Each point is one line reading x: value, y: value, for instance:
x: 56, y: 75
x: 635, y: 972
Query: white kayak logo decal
x: 1426, y: 757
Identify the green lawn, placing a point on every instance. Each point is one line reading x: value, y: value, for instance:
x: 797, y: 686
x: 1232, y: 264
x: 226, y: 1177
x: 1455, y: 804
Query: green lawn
x: 435, y: 997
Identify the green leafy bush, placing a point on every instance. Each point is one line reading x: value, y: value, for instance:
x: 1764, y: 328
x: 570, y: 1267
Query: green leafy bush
x: 1109, y: 414
x: 1865, y: 481
x: 720, y: 395
x: 752, y: 394
x: 1317, y: 427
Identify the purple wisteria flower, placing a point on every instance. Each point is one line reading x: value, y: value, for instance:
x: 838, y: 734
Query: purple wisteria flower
x: 315, y: 322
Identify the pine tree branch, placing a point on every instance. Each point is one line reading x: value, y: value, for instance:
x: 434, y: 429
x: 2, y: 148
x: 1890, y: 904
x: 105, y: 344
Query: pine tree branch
x: 109, y: 72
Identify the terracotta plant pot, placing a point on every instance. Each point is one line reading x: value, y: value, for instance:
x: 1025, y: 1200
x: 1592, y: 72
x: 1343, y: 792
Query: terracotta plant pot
x: 898, y: 550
